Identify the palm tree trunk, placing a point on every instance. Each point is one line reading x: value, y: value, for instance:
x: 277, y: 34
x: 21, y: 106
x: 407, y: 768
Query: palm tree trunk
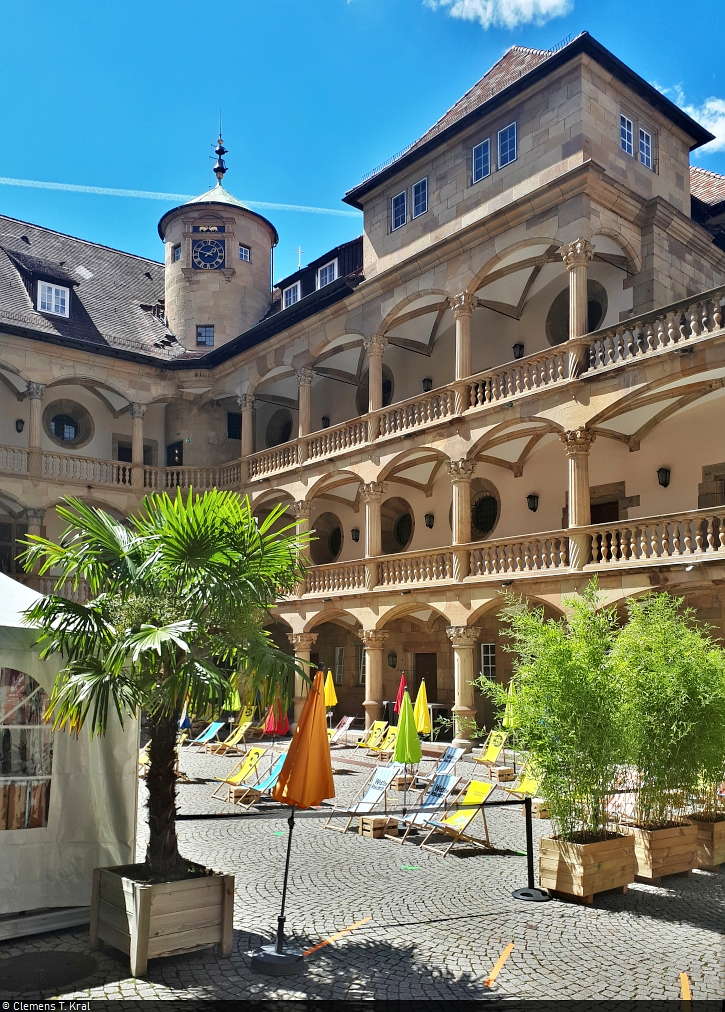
x: 162, y: 853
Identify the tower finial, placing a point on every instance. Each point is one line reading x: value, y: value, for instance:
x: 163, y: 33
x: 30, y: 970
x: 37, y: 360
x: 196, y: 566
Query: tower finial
x: 219, y: 167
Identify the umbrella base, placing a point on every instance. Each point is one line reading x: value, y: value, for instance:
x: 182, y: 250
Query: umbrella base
x: 267, y: 960
x: 531, y: 894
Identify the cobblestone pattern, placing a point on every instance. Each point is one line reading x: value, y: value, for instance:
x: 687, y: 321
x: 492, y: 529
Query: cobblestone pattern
x: 437, y: 925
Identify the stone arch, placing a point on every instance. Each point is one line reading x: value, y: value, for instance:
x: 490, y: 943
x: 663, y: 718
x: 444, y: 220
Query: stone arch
x: 93, y: 386
x: 491, y: 607
x: 333, y: 615
x: 390, y: 317
x: 324, y: 344
x: 488, y: 268
x: 520, y: 435
x: 270, y: 495
x: 413, y: 458
x: 634, y: 258
x: 329, y: 481
x: 409, y: 608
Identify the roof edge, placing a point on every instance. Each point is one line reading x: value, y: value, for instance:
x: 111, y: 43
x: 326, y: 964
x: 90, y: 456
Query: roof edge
x: 219, y: 203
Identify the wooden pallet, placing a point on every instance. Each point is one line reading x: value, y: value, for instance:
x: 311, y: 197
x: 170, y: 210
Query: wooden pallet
x: 503, y: 774
x: 376, y: 827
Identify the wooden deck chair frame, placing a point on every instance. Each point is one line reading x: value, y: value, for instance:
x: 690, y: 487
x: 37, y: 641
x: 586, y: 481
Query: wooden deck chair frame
x: 459, y: 830
x: 494, y: 745
x: 386, y: 746
x: 255, y: 792
x: 440, y: 790
x: 374, y: 735
x: 341, y: 731
x: 444, y: 764
x: 206, y: 735
x: 237, y: 734
x: 526, y: 785
x: 245, y: 768
x: 376, y: 786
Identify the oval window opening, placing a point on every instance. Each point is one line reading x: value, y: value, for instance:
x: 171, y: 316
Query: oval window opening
x: 403, y: 530
x: 64, y: 427
x: 485, y: 512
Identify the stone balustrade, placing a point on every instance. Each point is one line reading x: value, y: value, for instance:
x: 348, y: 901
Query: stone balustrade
x: 87, y: 470
x: 272, y: 461
x: 335, y: 439
x: 698, y: 535
x: 198, y: 478
x: 13, y: 460
x: 416, y: 412
x: 518, y: 377
x: 47, y: 585
x: 415, y: 567
x: 336, y: 578
x: 532, y: 553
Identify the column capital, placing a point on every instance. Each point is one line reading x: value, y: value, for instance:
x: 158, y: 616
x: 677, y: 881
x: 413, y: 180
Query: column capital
x: 577, y: 441
x: 35, y: 515
x: 463, y: 635
x: 577, y: 253
x: 461, y: 470
x: 373, y: 491
x: 305, y: 376
x: 302, y: 641
x: 375, y: 345
x: 373, y: 638
x: 35, y: 391
x: 246, y: 401
x: 462, y: 304
x: 302, y: 509
x: 137, y: 410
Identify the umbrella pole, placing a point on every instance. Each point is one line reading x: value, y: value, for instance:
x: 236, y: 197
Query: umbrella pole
x: 279, y: 947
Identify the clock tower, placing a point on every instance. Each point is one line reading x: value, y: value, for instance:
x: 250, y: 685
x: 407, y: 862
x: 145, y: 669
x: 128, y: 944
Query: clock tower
x: 218, y: 266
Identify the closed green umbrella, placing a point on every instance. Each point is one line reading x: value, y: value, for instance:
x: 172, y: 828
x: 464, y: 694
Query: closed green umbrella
x: 407, y: 744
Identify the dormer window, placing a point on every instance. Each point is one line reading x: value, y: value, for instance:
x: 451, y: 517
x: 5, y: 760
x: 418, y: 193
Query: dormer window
x: 327, y: 274
x: 53, y: 299
x: 291, y: 295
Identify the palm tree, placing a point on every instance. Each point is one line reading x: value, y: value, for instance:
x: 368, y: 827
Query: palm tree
x: 178, y: 601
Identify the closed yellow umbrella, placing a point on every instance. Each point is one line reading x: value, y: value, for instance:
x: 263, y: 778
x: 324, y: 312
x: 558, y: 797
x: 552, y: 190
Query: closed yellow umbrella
x: 421, y: 712
x: 330, y: 694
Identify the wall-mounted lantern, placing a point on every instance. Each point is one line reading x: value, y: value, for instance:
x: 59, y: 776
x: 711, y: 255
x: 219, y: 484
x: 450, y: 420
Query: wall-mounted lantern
x: 429, y: 519
x: 663, y: 476
x: 532, y: 501
x: 392, y: 659
x: 355, y: 534
x: 19, y: 424
x: 325, y: 421
x: 518, y: 350
x: 427, y: 384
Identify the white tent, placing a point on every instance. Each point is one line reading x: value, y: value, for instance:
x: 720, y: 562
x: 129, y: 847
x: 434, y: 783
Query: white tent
x: 87, y: 814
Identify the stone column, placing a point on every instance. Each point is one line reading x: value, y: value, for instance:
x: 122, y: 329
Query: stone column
x: 35, y: 517
x: 460, y: 473
x: 374, y: 641
x: 302, y: 643
x: 374, y: 346
x: 372, y: 493
x: 304, y: 384
x: 576, y: 255
x: 463, y: 306
x: 302, y: 510
x: 35, y: 427
x: 578, y: 443
x: 463, y: 639
x: 137, y: 413
x: 246, y: 403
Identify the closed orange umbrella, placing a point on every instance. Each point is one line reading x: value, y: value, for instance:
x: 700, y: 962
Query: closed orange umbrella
x: 306, y: 777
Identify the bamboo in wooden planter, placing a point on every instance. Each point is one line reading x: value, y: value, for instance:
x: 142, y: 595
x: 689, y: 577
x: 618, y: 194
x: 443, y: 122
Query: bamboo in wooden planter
x: 146, y: 920
x: 659, y: 852
x: 582, y: 870
x: 710, y: 853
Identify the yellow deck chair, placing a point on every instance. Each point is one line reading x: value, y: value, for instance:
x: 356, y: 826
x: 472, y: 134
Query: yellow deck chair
x: 237, y: 735
x: 493, y: 748
x: 468, y: 804
x: 375, y: 734
x: 386, y: 746
x: 243, y: 770
x: 526, y: 786
x: 144, y: 760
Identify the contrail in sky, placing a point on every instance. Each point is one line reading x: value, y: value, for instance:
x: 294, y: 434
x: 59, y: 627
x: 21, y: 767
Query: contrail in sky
x: 105, y: 191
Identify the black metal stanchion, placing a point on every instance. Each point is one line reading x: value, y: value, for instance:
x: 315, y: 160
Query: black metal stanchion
x: 531, y: 892
x: 279, y: 959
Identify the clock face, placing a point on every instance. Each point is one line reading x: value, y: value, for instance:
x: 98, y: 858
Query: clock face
x: 207, y: 254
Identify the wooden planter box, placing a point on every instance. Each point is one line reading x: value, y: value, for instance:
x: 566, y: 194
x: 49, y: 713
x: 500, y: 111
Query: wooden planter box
x: 147, y: 920
x: 659, y: 852
x: 582, y: 870
x: 710, y: 852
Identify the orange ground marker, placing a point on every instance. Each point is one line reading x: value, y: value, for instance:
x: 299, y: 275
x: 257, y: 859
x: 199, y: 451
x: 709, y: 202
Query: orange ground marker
x: 499, y: 965
x: 685, y: 987
x: 333, y: 938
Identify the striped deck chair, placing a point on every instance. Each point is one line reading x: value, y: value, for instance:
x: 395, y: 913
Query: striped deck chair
x: 210, y: 732
x: 386, y: 746
x: 246, y: 794
x: 374, y: 735
x: 467, y: 805
x: 240, y: 773
x: 238, y: 734
x: 370, y: 798
x: 434, y: 799
x: 338, y: 735
x: 446, y: 764
x: 493, y: 748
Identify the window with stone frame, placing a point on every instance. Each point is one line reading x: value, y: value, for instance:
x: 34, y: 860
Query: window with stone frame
x: 339, y: 664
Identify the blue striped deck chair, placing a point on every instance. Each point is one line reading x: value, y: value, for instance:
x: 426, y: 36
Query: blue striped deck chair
x: 446, y: 764
x: 370, y: 797
x: 211, y: 732
x: 433, y: 800
x: 247, y: 795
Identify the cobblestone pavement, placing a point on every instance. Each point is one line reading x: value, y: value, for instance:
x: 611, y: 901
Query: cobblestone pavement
x: 435, y: 926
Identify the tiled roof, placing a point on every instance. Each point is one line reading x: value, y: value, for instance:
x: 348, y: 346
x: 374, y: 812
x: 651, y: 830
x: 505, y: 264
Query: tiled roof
x: 117, y: 300
x: 709, y: 187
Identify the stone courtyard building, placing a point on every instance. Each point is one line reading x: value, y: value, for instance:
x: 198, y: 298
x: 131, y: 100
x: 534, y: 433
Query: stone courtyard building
x: 513, y: 380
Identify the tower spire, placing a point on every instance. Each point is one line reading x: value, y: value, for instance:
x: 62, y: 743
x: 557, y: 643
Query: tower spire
x: 219, y: 167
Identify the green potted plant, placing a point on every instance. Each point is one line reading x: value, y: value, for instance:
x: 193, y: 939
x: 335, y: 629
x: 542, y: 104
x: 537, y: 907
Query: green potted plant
x: 565, y: 719
x: 669, y: 680
x: 178, y: 600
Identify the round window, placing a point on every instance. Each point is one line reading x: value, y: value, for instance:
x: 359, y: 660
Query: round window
x: 483, y: 514
x: 327, y: 544
x: 65, y: 428
x: 403, y: 530
x: 557, y: 320
x: 397, y: 525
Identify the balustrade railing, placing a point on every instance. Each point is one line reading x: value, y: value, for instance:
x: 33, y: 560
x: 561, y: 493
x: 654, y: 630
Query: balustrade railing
x: 339, y: 576
x: 68, y: 467
x: 13, y: 460
x: 699, y: 534
x: 518, y: 377
x: 418, y: 411
x: 415, y: 567
x: 528, y: 554
x: 47, y: 585
x: 270, y: 461
x: 198, y: 478
x: 335, y: 439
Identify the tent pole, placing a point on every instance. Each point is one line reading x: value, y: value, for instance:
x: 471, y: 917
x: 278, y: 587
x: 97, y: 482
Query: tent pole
x: 281, y: 919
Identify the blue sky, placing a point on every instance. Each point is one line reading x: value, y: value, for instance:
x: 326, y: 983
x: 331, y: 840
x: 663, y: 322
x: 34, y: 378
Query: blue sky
x: 314, y: 94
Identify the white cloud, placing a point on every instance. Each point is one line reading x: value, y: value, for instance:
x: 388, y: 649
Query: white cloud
x: 711, y: 115
x: 503, y: 13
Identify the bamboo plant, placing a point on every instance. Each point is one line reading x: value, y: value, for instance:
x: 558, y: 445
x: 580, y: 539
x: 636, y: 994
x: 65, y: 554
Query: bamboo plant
x: 178, y: 600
